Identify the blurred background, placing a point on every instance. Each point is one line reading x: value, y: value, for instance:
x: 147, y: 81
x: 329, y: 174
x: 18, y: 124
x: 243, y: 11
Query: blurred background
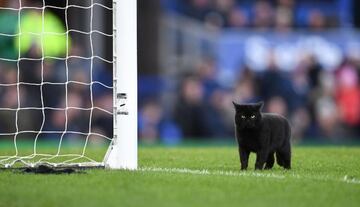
x: 302, y: 58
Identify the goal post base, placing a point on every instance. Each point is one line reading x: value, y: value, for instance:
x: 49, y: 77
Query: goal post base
x: 121, y: 156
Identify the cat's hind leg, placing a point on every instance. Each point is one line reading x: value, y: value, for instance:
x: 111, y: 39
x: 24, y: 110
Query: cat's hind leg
x: 261, y: 158
x: 279, y: 159
x: 270, y: 161
x: 283, y: 156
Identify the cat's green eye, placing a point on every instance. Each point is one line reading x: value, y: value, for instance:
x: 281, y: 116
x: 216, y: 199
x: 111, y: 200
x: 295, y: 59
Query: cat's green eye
x: 243, y: 117
x: 253, y: 116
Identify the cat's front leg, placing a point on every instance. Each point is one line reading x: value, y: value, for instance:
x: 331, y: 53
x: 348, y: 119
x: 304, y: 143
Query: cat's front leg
x: 261, y: 157
x: 244, y: 158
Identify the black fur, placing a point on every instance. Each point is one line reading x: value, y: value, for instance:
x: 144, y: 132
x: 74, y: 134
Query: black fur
x: 263, y: 133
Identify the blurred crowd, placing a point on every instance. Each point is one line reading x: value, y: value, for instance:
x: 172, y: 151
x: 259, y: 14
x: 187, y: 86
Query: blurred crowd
x: 279, y: 14
x: 322, y: 101
x: 320, y: 104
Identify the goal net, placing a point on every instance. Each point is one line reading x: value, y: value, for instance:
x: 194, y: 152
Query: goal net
x: 68, y: 90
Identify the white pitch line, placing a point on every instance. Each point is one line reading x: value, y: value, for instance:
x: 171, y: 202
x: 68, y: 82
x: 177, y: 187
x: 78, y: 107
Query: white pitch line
x: 207, y: 172
x: 345, y: 179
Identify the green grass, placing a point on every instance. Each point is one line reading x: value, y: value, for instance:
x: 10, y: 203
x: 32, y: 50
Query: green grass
x: 317, y: 179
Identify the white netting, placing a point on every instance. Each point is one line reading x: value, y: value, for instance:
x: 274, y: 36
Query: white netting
x: 55, y: 104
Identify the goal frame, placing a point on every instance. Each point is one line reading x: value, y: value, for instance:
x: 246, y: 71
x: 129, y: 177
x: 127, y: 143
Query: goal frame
x: 122, y: 152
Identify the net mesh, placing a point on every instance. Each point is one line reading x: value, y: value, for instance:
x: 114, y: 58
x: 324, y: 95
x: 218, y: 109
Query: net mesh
x: 56, y: 95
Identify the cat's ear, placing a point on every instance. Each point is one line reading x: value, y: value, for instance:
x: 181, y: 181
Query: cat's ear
x: 260, y: 105
x: 236, y: 106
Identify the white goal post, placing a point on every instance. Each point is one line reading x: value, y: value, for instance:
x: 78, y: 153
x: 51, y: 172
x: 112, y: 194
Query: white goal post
x: 122, y: 150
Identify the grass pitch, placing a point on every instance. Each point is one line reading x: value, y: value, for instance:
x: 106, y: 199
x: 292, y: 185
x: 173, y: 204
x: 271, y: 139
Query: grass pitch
x: 197, y: 176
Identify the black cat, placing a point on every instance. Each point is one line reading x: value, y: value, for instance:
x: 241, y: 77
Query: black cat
x: 265, y: 134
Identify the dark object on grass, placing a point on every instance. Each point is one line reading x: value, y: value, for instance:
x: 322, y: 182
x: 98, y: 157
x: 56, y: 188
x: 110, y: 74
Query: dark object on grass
x: 45, y: 169
x: 263, y: 133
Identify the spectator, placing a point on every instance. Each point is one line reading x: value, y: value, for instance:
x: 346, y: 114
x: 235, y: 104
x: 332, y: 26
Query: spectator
x: 274, y: 82
x: 283, y: 19
x: 326, y: 117
x: 197, y: 8
x: 300, y: 124
x: 263, y: 15
x: 215, y: 120
x: 207, y: 71
x: 277, y: 105
x: 150, y: 118
x: 245, y: 91
x: 237, y: 18
x: 348, y: 96
x: 190, y: 112
x: 316, y: 20
x: 284, y: 15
